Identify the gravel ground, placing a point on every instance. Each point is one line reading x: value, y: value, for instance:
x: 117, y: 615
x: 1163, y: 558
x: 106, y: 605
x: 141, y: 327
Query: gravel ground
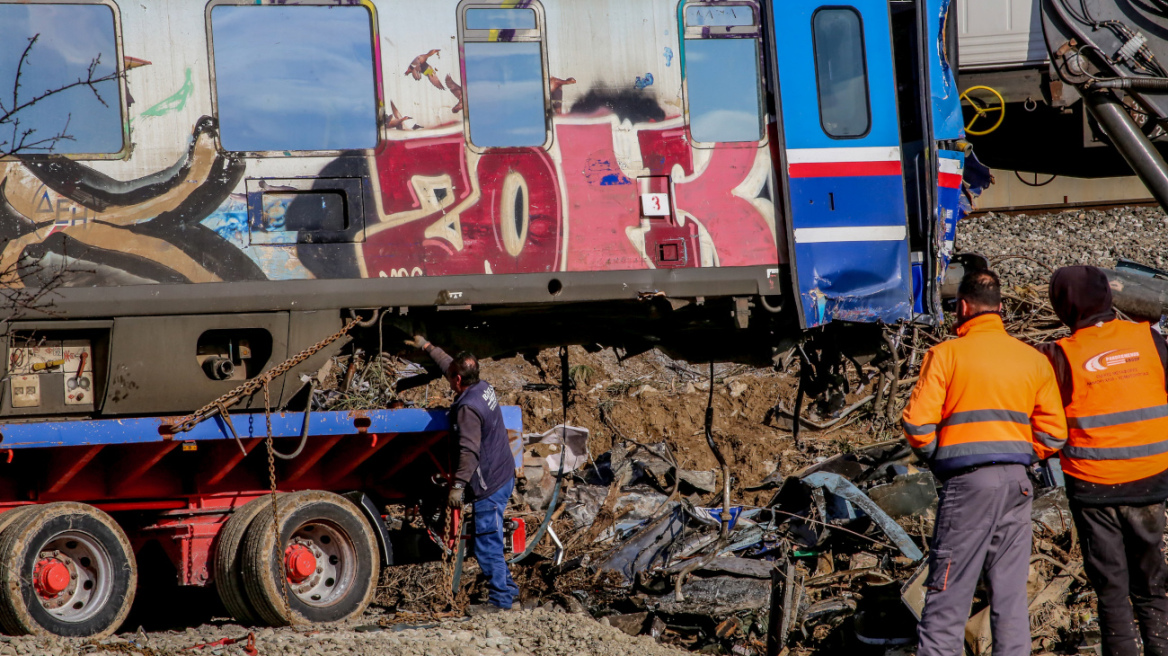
x: 1097, y: 237
x: 519, y: 633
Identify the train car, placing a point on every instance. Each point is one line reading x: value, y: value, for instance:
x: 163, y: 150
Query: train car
x: 1032, y: 119
x: 195, y: 196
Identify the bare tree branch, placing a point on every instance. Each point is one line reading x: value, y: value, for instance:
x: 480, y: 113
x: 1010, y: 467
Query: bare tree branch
x: 28, y: 286
x: 22, y: 141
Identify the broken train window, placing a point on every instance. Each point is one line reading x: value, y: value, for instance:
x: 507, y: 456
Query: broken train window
x: 294, y: 77
x: 69, y: 99
x: 723, y: 80
x: 503, y: 68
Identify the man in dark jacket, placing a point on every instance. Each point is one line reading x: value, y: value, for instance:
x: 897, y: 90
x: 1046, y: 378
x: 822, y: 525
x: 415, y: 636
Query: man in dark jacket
x: 485, y: 466
x: 1112, y: 378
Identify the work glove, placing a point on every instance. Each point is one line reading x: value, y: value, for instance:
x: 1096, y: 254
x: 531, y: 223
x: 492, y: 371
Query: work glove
x: 418, y: 342
x: 455, y: 499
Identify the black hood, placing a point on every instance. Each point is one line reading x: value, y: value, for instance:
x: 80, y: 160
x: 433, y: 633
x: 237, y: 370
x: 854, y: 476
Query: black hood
x: 1081, y: 296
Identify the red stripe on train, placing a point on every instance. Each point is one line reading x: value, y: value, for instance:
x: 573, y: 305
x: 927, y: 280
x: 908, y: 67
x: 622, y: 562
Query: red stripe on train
x: 949, y: 180
x: 843, y: 169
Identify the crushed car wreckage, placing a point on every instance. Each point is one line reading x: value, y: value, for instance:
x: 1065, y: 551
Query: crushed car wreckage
x: 834, y: 558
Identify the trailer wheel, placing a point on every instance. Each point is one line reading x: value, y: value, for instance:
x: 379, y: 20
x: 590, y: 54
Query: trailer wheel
x: 229, y: 557
x: 12, y: 517
x: 66, y: 569
x: 326, y: 558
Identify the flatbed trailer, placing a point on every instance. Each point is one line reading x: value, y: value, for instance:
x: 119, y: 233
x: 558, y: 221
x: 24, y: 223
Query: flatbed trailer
x: 80, y: 499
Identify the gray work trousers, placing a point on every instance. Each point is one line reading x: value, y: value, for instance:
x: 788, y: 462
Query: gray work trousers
x: 983, y: 527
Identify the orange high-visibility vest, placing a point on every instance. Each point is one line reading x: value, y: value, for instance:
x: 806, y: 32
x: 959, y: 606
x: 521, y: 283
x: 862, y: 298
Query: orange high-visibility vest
x: 984, y: 398
x: 1118, y: 415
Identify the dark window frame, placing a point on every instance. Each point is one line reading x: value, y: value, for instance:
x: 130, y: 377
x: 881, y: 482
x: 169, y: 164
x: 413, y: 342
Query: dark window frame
x: 379, y: 103
x: 538, y: 35
x: 864, y: 61
x: 753, y: 32
x: 119, y: 67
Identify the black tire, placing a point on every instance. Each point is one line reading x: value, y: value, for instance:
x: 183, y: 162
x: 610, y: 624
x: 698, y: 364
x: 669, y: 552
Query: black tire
x: 229, y: 557
x: 345, y: 551
x: 96, y: 551
x: 11, y: 517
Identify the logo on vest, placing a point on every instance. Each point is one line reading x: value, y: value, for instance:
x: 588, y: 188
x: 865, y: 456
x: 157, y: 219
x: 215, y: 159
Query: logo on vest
x: 490, y: 398
x: 1110, y: 359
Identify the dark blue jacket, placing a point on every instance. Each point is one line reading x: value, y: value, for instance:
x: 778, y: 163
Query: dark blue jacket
x: 485, y: 462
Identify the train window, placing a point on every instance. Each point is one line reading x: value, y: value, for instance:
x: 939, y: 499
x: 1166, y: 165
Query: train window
x: 294, y: 77
x: 723, y: 79
x: 506, y: 102
x: 57, y: 49
x: 500, y: 19
x: 841, y: 72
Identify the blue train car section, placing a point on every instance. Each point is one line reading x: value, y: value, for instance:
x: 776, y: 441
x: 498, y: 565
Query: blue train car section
x: 849, y: 226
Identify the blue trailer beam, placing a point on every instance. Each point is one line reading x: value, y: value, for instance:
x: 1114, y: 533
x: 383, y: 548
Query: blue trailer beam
x: 93, y: 432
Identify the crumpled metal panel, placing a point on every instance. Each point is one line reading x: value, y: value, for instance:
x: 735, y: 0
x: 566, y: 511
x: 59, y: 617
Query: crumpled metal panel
x: 843, y: 488
x: 948, y: 123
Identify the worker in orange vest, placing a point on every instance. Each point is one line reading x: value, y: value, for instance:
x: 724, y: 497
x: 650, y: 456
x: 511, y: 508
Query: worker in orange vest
x: 985, y: 407
x: 1111, y: 376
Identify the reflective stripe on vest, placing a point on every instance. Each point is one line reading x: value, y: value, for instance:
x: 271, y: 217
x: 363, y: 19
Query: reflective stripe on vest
x: 1117, y: 418
x: 983, y: 448
x: 947, y: 449
x: 1118, y: 414
x: 977, y: 416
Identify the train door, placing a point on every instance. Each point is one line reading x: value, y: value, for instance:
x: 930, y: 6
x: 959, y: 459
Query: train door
x: 847, y: 226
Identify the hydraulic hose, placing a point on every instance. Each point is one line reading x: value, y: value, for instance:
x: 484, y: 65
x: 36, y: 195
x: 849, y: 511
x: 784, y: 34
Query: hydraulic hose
x: 303, y: 429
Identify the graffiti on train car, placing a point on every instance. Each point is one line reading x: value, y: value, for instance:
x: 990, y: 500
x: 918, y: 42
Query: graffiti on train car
x: 440, y: 209
x: 618, y: 183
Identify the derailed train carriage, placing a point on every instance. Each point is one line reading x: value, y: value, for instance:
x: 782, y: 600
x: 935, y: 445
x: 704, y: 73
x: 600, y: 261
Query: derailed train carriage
x: 202, y: 191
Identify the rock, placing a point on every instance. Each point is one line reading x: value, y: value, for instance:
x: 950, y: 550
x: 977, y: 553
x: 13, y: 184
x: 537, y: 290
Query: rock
x: 737, y: 388
x: 645, y: 390
x: 632, y: 623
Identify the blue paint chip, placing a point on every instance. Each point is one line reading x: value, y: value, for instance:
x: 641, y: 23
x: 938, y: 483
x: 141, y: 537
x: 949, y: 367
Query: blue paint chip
x: 614, y: 179
x: 643, y: 82
x: 668, y: 56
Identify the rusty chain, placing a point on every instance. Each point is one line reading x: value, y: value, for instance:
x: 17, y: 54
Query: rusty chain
x: 450, y: 557
x: 275, y: 505
x: 184, y: 424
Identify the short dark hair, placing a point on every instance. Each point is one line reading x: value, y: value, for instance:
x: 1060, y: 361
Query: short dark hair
x: 465, y: 366
x: 981, y: 288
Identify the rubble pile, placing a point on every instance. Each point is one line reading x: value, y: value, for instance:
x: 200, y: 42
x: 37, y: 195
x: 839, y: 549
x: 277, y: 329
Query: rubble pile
x: 832, y: 560
x: 824, y: 540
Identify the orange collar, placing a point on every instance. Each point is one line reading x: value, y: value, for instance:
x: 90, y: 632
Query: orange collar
x: 983, y: 323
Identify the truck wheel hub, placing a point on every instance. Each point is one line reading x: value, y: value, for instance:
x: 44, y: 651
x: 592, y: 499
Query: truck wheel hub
x: 51, y: 577
x: 300, y: 563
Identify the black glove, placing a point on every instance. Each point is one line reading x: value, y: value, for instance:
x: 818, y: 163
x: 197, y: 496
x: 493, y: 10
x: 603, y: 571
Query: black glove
x: 455, y: 499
